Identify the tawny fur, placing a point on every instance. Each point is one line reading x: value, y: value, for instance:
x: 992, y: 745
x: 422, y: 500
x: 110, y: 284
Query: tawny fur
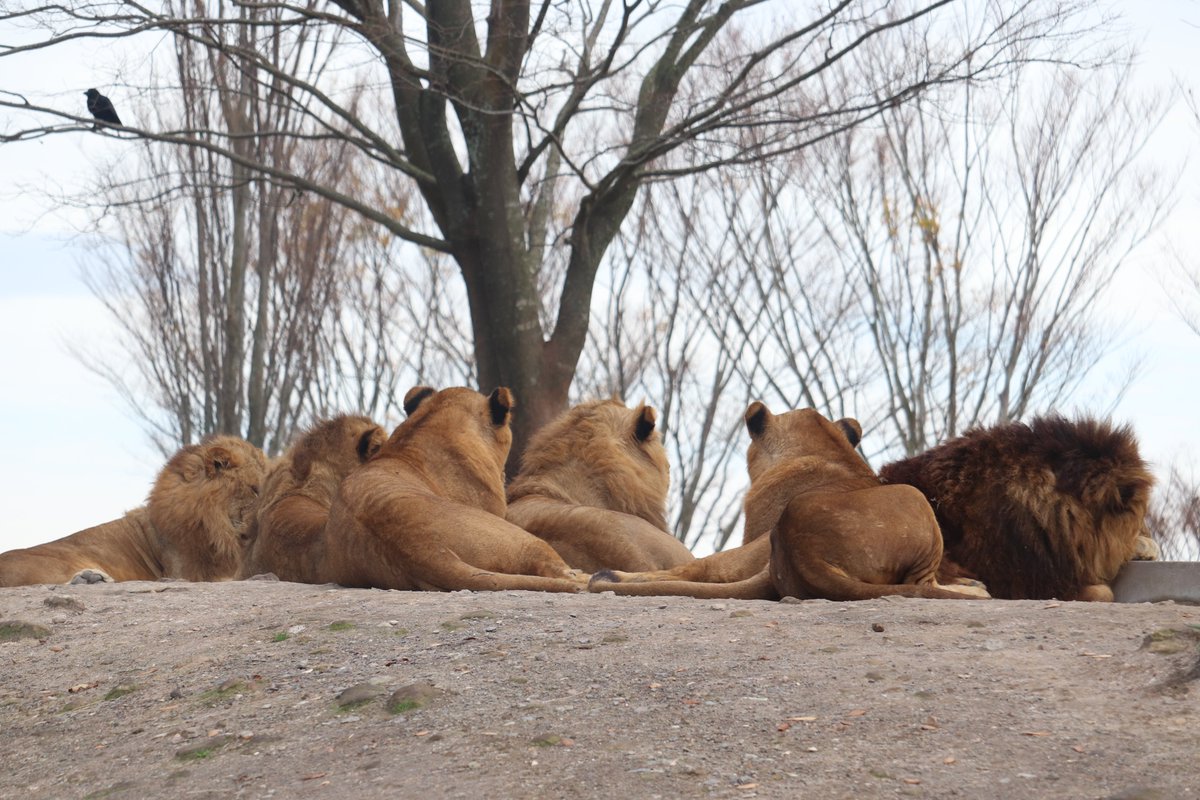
x: 1051, y: 509
x: 286, y: 537
x: 818, y: 524
x: 191, y: 526
x: 427, y: 512
x: 593, y: 483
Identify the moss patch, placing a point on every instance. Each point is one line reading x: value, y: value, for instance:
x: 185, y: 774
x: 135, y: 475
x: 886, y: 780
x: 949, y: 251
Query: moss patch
x: 120, y: 691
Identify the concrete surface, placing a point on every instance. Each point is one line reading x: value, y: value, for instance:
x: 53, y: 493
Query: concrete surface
x: 1152, y: 581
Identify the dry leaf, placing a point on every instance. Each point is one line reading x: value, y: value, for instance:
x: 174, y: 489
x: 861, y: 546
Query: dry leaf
x: 858, y: 712
x: 783, y: 726
x: 688, y: 701
x: 802, y: 719
x: 912, y: 781
x: 949, y: 760
x: 1035, y: 733
x: 1079, y: 749
x: 314, y: 776
x: 1097, y: 655
x: 421, y: 733
x: 83, y: 687
x: 1052, y: 605
x: 748, y: 786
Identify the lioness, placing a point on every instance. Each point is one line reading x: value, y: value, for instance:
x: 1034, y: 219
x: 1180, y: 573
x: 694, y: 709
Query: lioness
x: 1049, y: 509
x: 817, y: 524
x: 189, y: 528
x: 286, y: 532
x: 593, y: 483
x: 427, y: 512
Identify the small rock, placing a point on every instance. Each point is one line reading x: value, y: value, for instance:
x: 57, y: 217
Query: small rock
x: 176, y: 694
x: 265, y: 576
x: 202, y: 749
x: 790, y: 600
x: 12, y: 630
x: 358, y: 695
x: 875, y: 626
x: 993, y: 644
x: 64, y: 601
x: 412, y: 696
x: 1140, y: 793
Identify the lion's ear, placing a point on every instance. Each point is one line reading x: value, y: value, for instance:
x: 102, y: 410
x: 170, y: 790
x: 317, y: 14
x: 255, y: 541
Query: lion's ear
x: 415, y: 397
x: 644, y: 427
x: 217, y: 459
x: 501, y: 404
x: 369, y: 443
x: 756, y: 419
x: 852, y: 429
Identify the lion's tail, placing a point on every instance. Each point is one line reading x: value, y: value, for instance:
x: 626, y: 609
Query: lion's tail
x: 757, y: 587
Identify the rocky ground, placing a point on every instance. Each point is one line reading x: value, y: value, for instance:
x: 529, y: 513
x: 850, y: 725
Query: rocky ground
x: 261, y: 689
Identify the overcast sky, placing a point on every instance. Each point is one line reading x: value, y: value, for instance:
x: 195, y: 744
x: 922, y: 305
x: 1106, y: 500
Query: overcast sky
x: 73, y: 456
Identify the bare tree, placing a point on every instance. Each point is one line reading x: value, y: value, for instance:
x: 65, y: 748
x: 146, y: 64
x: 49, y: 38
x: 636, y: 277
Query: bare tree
x: 936, y: 268
x: 1174, y: 515
x: 248, y: 307
x: 488, y: 108
x: 982, y: 227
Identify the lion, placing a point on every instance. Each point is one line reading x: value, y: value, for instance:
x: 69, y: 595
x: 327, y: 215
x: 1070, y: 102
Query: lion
x: 818, y: 524
x: 593, y: 483
x: 190, y: 527
x: 286, y: 534
x: 427, y: 511
x: 1049, y: 509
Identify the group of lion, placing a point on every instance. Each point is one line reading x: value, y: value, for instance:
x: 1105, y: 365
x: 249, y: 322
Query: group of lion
x: 1050, y: 509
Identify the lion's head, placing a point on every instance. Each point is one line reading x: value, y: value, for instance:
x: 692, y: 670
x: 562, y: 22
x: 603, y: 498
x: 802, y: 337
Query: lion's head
x: 200, y: 502
x: 460, y: 438
x: 795, y: 434
x: 602, y: 454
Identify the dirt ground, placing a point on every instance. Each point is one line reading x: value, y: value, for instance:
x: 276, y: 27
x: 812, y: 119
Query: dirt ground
x: 268, y: 689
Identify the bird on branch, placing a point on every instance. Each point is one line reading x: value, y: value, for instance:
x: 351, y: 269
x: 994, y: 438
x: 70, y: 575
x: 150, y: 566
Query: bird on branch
x: 102, y: 109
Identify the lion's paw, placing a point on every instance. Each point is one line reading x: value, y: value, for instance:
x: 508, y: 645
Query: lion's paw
x: 89, y: 576
x: 1146, y: 549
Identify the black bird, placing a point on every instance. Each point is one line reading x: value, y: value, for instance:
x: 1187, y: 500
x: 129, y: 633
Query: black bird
x: 101, y: 108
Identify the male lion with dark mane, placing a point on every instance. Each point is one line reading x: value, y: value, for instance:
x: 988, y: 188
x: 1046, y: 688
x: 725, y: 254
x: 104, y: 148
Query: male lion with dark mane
x: 818, y: 524
x: 1049, y: 509
x: 286, y: 535
x: 593, y: 483
x: 190, y: 527
x: 427, y: 512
